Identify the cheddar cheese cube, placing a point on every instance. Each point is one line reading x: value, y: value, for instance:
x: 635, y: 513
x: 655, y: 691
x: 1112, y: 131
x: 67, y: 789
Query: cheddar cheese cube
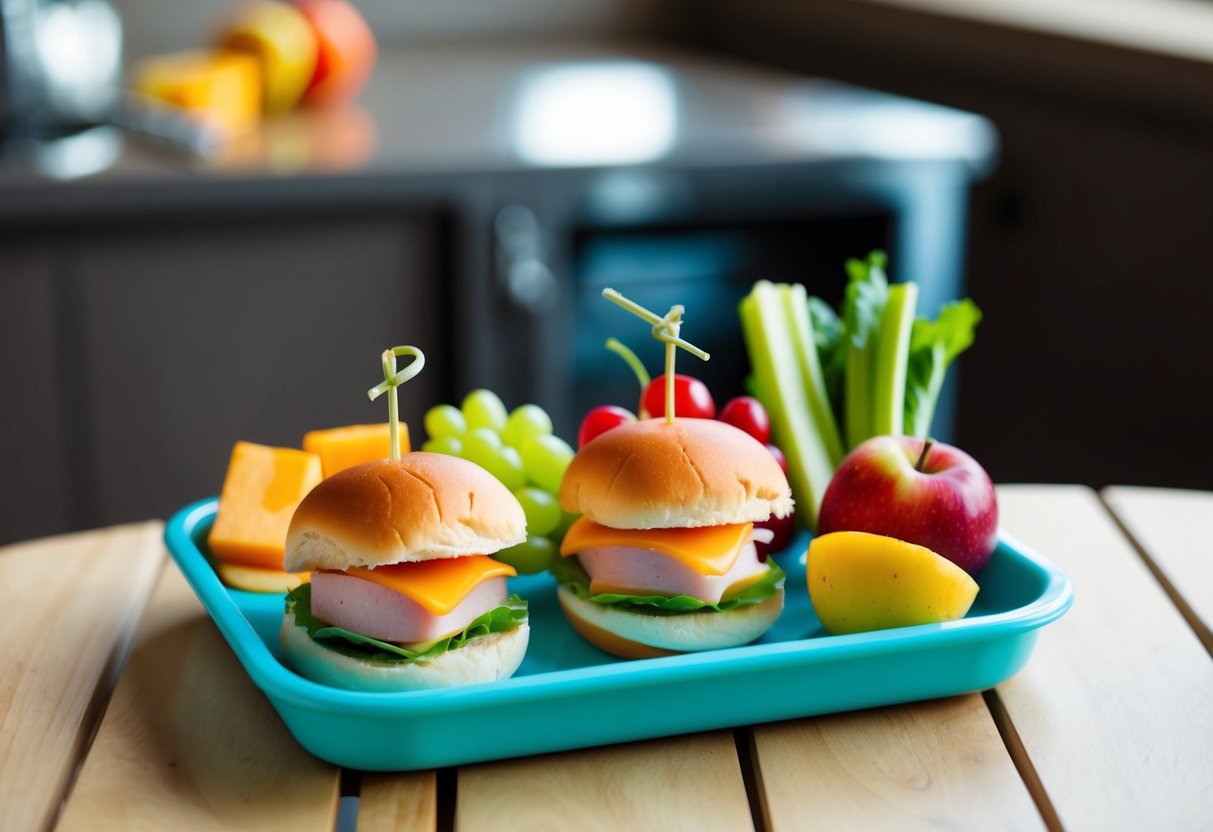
x: 341, y: 448
x: 261, y: 491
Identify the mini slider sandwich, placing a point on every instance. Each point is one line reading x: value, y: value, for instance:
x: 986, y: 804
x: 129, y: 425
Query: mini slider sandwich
x: 663, y: 559
x: 403, y: 594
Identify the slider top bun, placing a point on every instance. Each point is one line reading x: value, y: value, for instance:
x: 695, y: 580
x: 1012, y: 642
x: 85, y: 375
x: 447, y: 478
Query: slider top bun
x: 420, y: 507
x: 655, y: 475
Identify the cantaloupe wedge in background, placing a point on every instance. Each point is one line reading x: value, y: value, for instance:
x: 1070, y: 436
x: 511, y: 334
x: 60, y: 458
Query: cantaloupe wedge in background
x: 860, y: 582
x: 261, y: 491
x: 341, y: 448
x: 280, y: 37
x: 219, y: 88
x: 259, y: 580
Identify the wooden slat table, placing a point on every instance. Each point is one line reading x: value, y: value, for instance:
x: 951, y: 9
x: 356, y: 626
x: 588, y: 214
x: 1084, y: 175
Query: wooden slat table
x: 121, y: 707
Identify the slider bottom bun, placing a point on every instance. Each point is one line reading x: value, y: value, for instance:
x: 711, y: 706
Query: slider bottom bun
x: 482, y: 659
x: 638, y: 635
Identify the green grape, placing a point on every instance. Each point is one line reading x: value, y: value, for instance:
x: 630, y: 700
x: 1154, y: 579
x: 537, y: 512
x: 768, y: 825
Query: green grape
x: 482, y: 446
x: 524, y: 424
x: 449, y: 445
x: 484, y: 409
x: 444, y: 420
x: 531, y: 556
x: 542, y: 511
x: 567, y: 519
x: 505, y: 464
x: 545, y: 458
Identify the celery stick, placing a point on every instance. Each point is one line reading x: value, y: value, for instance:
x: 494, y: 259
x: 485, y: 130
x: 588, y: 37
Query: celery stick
x: 863, y: 307
x: 796, y: 306
x: 777, y: 377
x: 892, y: 351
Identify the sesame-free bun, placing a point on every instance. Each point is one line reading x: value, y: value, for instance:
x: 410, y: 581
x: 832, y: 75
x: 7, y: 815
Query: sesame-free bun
x: 484, y: 658
x: 420, y: 507
x: 655, y: 475
x: 639, y: 635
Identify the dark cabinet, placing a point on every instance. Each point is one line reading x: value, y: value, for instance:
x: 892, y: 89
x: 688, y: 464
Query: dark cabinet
x: 137, y: 356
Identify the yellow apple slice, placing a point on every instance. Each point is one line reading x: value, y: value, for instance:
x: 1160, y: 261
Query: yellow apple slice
x: 282, y: 40
x: 860, y: 582
x: 252, y: 579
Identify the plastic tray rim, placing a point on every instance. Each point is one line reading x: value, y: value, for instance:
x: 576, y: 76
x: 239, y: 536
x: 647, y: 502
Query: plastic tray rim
x: 278, y: 682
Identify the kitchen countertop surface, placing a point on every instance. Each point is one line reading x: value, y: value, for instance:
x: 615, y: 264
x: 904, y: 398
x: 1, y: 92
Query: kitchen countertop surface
x: 122, y: 707
x: 436, y: 113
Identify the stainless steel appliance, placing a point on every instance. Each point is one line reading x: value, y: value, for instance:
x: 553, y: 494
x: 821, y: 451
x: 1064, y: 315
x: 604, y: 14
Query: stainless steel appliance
x: 60, y: 63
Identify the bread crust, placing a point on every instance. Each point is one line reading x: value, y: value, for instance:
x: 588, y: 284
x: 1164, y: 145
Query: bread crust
x: 420, y: 507
x: 484, y: 658
x: 630, y: 633
x: 655, y: 475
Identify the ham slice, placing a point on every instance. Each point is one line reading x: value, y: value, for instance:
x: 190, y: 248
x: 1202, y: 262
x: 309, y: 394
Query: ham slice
x: 367, y: 608
x: 633, y: 571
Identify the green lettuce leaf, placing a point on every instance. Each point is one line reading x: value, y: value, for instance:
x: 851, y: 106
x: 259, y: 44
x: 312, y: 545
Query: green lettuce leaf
x: 933, y: 346
x: 497, y: 620
x: 569, y: 573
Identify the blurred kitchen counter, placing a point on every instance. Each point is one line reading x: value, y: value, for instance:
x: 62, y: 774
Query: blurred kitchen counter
x: 470, y: 111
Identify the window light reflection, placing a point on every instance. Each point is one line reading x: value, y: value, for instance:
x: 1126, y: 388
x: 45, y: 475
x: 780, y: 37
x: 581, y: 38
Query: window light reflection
x: 595, y: 114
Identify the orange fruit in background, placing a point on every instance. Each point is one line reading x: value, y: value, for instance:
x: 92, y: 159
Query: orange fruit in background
x: 346, y: 51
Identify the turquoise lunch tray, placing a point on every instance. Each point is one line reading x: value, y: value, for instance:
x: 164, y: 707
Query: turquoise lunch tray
x: 568, y: 694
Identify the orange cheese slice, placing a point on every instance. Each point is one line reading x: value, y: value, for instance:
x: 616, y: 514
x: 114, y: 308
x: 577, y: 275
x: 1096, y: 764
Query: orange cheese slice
x: 707, y: 550
x: 437, y: 585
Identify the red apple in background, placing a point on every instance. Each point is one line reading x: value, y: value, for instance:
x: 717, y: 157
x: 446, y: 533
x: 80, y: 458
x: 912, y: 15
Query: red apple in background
x: 942, y: 499
x: 346, y: 51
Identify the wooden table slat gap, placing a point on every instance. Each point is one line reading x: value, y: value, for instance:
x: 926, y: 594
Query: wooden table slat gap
x: 349, y: 795
x: 751, y: 772
x: 1202, y: 631
x: 115, y: 663
x: 446, y: 794
x: 743, y: 739
x: 1021, y: 759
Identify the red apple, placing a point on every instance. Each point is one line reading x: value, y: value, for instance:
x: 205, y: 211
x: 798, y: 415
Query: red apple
x: 346, y: 51
x: 942, y: 499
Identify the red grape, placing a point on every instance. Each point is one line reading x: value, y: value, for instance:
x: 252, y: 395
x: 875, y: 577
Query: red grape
x: 779, y: 457
x: 691, y: 398
x: 784, y: 530
x: 601, y: 419
x: 747, y: 413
